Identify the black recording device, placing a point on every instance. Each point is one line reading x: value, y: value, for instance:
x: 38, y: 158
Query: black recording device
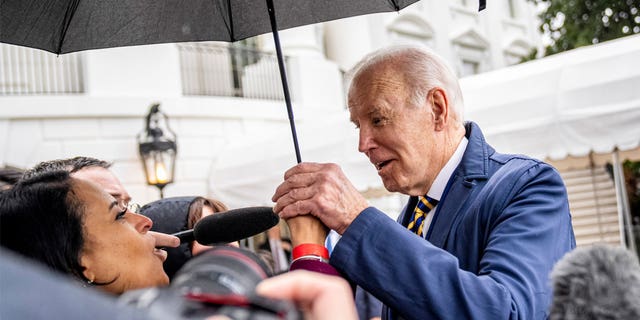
x: 229, y: 226
x: 219, y: 281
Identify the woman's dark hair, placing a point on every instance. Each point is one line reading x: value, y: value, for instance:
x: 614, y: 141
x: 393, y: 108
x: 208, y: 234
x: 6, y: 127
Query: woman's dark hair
x: 41, y: 217
x: 195, y: 209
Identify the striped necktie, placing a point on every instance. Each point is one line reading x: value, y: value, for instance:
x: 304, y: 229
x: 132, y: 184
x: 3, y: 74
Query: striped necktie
x: 425, y: 204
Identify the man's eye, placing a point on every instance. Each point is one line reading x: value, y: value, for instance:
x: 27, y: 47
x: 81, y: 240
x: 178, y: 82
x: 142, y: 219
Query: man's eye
x: 377, y: 121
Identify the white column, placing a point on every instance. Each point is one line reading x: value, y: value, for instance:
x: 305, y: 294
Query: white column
x: 151, y: 70
x: 315, y: 83
x: 347, y: 41
x: 300, y: 41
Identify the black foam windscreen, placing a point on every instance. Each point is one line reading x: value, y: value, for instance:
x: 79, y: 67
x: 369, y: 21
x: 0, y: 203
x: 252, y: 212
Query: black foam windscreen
x: 234, y: 225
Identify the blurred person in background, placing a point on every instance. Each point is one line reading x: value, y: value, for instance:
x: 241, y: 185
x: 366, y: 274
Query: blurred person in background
x: 9, y: 176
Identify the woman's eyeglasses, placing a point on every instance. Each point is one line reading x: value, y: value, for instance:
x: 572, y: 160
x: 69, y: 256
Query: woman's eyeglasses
x: 130, y: 206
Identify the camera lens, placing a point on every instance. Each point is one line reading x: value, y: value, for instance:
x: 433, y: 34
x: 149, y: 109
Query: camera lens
x: 219, y: 281
x: 221, y: 270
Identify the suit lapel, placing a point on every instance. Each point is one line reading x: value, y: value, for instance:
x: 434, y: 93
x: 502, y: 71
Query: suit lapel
x: 447, y: 211
x: 473, y: 166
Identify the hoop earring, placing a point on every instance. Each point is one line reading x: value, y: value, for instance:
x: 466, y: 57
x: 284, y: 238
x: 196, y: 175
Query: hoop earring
x: 87, y: 283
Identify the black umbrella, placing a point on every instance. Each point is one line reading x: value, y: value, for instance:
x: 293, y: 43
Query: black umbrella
x: 63, y: 26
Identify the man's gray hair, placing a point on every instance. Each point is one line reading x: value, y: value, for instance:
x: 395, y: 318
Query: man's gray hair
x: 422, y: 70
x: 596, y: 282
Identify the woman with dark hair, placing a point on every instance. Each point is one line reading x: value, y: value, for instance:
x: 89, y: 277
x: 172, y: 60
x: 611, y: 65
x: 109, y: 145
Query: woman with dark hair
x: 74, y: 227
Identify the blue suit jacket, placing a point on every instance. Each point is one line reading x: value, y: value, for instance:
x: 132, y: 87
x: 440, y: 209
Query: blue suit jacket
x: 502, y: 223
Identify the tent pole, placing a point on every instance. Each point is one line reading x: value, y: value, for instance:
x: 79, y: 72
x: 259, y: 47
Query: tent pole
x: 283, y: 76
x: 623, y: 202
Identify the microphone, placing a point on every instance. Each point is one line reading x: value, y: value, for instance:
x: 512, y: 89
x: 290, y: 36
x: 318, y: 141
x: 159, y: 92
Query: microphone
x: 230, y: 226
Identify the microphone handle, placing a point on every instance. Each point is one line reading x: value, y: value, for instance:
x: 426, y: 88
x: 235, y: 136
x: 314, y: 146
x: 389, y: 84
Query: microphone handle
x: 185, y: 236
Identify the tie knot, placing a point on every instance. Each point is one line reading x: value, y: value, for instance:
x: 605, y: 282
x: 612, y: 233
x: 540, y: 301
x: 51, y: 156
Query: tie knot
x: 426, y: 202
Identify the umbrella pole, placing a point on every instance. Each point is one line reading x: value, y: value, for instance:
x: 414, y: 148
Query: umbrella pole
x: 283, y: 76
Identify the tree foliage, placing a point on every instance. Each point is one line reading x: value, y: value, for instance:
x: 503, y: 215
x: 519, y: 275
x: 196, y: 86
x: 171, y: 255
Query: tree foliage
x: 570, y: 24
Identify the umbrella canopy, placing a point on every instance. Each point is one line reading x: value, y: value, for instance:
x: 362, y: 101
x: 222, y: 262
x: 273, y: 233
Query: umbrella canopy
x: 67, y: 26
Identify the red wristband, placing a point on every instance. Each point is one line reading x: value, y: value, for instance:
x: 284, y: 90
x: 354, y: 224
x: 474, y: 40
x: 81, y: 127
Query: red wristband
x: 310, y: 249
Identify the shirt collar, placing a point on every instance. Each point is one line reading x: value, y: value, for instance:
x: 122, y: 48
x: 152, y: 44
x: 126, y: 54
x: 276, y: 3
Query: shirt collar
x: 437, y: 188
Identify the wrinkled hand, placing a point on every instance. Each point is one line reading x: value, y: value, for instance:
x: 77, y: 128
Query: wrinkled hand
x: 320, y: 296
x: 165, y: 240
x: 322, y: 190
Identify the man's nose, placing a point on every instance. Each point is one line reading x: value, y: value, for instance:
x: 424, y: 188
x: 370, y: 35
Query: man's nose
x: 365, y: 141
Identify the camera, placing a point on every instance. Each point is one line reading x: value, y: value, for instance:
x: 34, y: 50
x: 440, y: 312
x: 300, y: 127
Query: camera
x: 219, y: 281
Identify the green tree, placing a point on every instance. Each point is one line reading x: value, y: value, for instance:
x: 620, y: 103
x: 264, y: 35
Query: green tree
x: 570, y: 24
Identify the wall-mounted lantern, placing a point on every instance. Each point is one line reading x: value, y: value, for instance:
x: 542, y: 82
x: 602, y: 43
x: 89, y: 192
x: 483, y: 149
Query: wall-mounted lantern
x: 158, y: 149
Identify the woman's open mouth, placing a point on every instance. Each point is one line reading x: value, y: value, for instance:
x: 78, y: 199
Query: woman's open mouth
x: 161, y: 254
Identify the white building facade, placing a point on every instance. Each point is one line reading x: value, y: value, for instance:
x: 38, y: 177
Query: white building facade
x: 93, y: 103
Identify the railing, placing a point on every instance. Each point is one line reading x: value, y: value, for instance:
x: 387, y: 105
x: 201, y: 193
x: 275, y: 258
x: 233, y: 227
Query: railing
x: 30, y: 71
x: 218, y: 70
x: 211, y: 69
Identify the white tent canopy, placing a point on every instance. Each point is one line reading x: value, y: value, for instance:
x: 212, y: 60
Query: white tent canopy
x: 247, y: 173
x: 571, y: 103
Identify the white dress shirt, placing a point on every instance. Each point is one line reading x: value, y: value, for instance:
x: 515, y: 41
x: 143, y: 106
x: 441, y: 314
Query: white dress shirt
x: 437, y: 188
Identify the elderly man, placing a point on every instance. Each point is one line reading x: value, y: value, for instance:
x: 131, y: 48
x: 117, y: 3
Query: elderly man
x: 97, y: 171
x: 481, y: 230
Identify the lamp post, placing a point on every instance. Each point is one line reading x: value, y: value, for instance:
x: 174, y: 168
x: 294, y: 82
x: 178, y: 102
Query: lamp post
x: 158, y: 149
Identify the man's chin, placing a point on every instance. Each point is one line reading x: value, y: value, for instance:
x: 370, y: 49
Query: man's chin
x: 391, y: 186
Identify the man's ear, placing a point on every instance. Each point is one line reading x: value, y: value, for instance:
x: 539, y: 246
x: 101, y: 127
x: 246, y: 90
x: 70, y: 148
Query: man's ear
x: 440, y: 107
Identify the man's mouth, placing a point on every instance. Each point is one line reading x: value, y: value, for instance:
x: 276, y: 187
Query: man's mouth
x: 382, y: 164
